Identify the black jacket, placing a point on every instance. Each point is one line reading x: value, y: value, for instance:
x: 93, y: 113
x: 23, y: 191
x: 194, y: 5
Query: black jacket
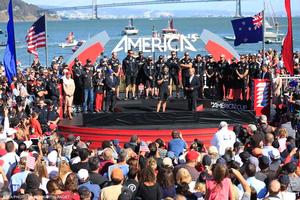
x: 192, y: 86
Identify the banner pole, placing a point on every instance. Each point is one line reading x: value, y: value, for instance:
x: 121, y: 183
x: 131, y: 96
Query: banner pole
x: 263, y: 42
x: 46, y: 47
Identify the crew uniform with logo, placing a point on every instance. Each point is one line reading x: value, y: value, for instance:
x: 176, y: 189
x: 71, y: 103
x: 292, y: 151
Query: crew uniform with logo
x: 150, y: 75
x: 254, y: 71
x: 140, y: 61
x: 130, y: 69
x: 199, y: 66
x: 222, y: 79
x: 210, y: 71
x: 184, y: 70
x: 164, y: 86
x: 174, y: 67
x: 160, y: 63
x: 242, y: 70
x: 115, y: 66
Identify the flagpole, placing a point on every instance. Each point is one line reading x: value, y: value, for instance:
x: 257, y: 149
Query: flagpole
x: 46, y: 46
x: 263, y: 42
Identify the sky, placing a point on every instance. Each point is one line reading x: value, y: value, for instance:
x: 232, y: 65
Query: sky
x: 247, y: 5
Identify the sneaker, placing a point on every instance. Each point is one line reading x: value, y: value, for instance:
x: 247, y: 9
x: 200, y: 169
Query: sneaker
x: 134, y: 98
x: 125, y: 99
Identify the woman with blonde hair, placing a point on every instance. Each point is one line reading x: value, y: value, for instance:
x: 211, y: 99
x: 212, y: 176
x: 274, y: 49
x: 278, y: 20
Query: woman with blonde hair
x: 40, y: 169
x: 69, y: 89
x: 64, y: 170
x: 283, y: 134
x: 184, y: 176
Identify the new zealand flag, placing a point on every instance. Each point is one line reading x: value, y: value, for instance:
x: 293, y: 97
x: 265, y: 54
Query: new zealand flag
x: 248, y: 29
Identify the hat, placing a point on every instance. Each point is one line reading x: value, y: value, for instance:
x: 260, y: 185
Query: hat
x: 264, y: 160
x: 274, y: 154
x: 252, y: 127
x: 245, y: 155
x: 191, y: 155
x: 52, y: 156
x: 167, y: 162
x: 32, y: 181
x: 10, y: 131
x: 223, y: 124
x: 117, y: 174
x: 24, y: 154
x: 83, y: 174
x: 263, y: 119
x: 221, y: 161
x: 28, y: 143
x: 290, y: 167
x: 284, y: 179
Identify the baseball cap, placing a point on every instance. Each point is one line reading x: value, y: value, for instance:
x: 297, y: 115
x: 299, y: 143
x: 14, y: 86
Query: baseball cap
x: 52, y: 156
x: 83, y: 174
x: 192, y: 155
x: 167, y: 162
x: 11, y: 131
x: 263, y: 119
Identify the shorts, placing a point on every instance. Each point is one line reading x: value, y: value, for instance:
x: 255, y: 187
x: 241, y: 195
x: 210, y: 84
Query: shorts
x: 175, y: 80
x: 163, y: 95
x: 118, y: 80
x: 150, y: 83
x: 210, y: 82
x: 130, y: 79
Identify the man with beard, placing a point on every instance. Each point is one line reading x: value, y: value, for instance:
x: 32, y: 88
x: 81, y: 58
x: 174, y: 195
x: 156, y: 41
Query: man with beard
x: 174, y: 67
x: 78, y: 95
x: 150, y: 74
x: 185, y: 64
x: 199, y: 66
x: 116, y: 67
x: 140, y: 61
x: 222, y: 78
x: 210, y: 72
x: 242, y: 76
x: 130, y: 70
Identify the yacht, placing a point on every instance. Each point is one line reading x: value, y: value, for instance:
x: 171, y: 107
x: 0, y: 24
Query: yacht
x: 130, y: 29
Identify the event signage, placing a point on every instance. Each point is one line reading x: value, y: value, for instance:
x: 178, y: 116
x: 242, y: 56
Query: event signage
x: 262, y: 96
x: 161, y: 44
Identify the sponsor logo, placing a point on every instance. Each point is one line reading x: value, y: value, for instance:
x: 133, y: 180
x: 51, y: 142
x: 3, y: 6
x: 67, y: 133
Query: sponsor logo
x: 229, y: 106
x: 150, y: 44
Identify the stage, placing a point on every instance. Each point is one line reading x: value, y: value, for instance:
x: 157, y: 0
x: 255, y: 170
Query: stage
x: 139, y: 117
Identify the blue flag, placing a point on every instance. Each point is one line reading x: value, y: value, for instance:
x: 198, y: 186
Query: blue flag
x: 248, y: 29
x: 9, y: 59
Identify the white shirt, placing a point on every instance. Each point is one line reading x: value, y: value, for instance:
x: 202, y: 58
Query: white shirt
x: 223, y: 139
x: 17, y: 180
x: 191, y: 78
x: 287, y: 195
x: 9, y: 159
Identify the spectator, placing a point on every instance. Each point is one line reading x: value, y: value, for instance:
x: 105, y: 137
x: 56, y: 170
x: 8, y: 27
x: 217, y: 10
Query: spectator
x: 191, y: 162
x: 224, y: 138
x: 83, y: 164
x: 177, y: 145
x: 94, y: 175
x: 165, y: 178
x: 83, y: 176
x: 69, y: 89
x: 113, y: 192
x: 123, y: 156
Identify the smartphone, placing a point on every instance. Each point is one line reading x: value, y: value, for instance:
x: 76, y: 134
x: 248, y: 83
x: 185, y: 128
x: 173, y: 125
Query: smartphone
x: 35, y: 141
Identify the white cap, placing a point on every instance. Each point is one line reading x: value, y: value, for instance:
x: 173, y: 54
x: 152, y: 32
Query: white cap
x: 263, y: 119
x: 52, y: 156
x: 223, y: 124
x: 274, y: 154
x: 167, y: 162
x: 28, y: 143
x: 252, y: 127
x: 83, y: 174
x: 24, y: 154
x: 10, y: 131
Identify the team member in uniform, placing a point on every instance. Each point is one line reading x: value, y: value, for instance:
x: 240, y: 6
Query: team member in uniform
x: 150, y: 74
x: 111, y: 83
x: 163, y: 81
x: 140, y: 61
x: 130, y: 70
x: 174, y: 67
x: 99, y: 80
x: 185, y: 64
x: 242, y: 76
x: 116, y: 67
x: 222, y: 78
x: 160, y: 63
x: 199, y: 66
x: 87, y: 79
x: 192, y: 86
x: 77, y: 74
x: 210, y: 72
x: 254, y: 71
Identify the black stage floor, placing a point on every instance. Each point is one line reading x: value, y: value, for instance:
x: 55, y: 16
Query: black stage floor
x: 141, y: 114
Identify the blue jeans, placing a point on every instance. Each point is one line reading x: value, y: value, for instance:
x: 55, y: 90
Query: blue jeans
x: 88, y: 98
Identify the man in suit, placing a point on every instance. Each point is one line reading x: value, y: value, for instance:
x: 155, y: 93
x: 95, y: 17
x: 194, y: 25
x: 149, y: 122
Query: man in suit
x: 111, y: 82
x: 192, y: 85
x: 264, y: 73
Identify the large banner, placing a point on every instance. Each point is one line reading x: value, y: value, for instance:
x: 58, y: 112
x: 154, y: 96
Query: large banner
x: 262, y: 97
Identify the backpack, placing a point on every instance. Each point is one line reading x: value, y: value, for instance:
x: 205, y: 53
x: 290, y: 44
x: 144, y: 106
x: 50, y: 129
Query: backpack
x: 126, y: 194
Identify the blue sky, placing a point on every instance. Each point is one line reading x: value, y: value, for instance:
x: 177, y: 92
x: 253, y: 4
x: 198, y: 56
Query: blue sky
x: 247, y: 5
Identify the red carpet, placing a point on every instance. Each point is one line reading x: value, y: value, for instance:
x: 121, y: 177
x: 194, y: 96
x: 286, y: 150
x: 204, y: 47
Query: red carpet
x: 97, y: 135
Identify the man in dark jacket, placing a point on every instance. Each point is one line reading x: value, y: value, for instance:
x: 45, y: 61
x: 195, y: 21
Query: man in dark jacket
x: 130, y: 69
x: 78, y: 95
x: 111, y: 83
x: 192, y: 85
x: 87, y: 79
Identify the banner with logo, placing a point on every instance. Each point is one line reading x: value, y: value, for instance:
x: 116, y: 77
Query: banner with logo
x: 262, y: 97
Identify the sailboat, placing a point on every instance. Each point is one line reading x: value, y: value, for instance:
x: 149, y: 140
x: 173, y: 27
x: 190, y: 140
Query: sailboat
x: 170, y: 32
x: 130, y: 29
x: 70, y: 41
x: 272, y: 33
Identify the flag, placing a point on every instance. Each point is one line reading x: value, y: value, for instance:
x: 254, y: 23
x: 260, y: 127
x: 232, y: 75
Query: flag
x: 36, y: 36
x: 248, y: 29
x: 30, y: 163
x: 287, y: 48
x: 9, y: 59
x: 144, y: 147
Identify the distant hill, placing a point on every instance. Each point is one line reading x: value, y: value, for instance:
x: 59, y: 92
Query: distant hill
x: 22, y: 11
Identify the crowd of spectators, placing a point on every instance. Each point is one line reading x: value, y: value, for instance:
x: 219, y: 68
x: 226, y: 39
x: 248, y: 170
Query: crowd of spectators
x: 260, y: 161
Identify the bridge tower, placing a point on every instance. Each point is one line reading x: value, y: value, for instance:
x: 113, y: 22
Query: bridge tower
x: 94, y: 9
x: 238, y: 11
